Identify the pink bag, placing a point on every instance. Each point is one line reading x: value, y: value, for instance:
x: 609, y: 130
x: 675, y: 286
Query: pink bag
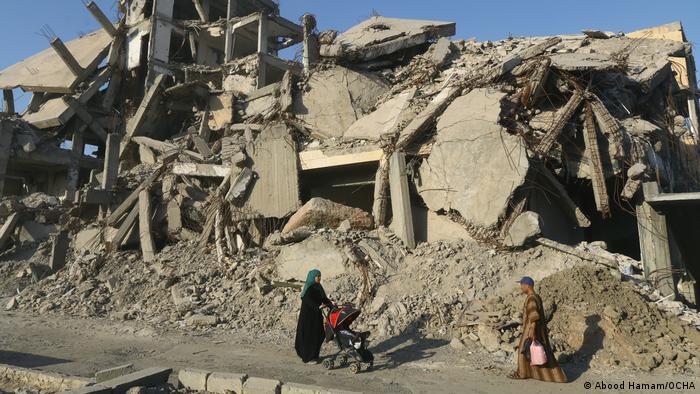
x: 537, y: 354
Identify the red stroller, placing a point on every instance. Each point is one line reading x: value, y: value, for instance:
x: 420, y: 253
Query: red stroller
x: 351, y: 345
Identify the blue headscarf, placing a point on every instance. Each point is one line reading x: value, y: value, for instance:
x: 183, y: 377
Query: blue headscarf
x: 311, y: 281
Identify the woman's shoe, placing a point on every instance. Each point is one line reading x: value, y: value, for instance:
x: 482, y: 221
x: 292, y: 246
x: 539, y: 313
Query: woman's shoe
x: 312, y: 362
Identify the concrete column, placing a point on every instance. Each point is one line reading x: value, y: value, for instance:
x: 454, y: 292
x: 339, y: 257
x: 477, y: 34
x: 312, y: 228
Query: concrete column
x: 8, y: 98
x: 401, y: 199
x: 6, y: 134
x: 73, y: 176
x: 66, y: 56
x: 311, y: 50
x: 59, y: 249
x: 262, y: 33
x: 262, y: 48
x: 692, y: 96
x: 101, y: 18
x: 159, y: 42
x: 654, y: 243
x: 148, y: 247
x: 201, y: 11
x: 230, y: 32
x: 111, y: 162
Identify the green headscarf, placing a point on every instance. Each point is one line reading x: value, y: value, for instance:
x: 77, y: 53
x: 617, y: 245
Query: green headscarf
x: 311, y: 281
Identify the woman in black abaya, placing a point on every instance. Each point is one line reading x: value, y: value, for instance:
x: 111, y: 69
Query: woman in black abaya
x: 310, y: 333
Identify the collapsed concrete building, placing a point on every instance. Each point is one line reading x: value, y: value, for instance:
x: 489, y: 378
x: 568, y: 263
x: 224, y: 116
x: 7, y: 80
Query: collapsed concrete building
x: 180, y: 122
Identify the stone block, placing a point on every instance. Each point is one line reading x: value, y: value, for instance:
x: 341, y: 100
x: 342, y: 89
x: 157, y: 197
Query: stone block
x: 296, y: 388
x: 261, y: 386
x: 193, y: 379
x: 201, y: 321
x: 223, y: 382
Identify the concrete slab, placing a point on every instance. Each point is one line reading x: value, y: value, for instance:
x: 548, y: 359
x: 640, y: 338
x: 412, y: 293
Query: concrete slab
x: 146, y: 377
x: 475, y: 165
x: 115, y: 372
x: 378, y: 36
x: 223, y: 382
x: 335, y: 98
x: 315, y: 159
x: 261, y: 386
x: 46, y: 72
x: 384, y: 119
x: 275, y: 192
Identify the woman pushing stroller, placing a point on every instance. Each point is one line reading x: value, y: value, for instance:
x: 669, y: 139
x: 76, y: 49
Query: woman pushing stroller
x: 310, y: 331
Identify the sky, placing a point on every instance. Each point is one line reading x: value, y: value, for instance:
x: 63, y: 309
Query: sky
x: 22, y: 20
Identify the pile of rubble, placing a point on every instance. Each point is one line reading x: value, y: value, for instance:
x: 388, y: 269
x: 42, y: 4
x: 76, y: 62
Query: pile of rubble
x: 199, y: 182
x: 594, y: 319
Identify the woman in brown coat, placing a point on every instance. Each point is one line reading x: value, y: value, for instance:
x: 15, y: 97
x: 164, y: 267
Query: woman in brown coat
x: 535, y: 328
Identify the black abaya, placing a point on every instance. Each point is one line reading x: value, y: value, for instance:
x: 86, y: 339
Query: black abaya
x: 310, y: 333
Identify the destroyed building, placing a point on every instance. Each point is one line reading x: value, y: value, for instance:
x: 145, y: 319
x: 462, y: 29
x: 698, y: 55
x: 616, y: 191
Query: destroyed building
x: 180, y: 123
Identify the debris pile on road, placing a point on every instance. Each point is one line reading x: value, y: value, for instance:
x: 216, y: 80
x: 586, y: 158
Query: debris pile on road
x: 194, y: 185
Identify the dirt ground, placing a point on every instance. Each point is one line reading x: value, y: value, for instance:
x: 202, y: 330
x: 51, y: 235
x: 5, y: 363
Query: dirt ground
x: 82, y: 346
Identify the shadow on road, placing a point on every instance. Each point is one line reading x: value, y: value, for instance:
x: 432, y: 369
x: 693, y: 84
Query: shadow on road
x: 405, y: 348
x: 593, y: 338
x: 27, y: 360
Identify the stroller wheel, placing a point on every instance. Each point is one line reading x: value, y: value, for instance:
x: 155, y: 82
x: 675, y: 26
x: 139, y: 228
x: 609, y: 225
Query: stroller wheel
x: 343, y: 360
x: 370, y: 365
x: 328, y: 363
x: 355, y: 367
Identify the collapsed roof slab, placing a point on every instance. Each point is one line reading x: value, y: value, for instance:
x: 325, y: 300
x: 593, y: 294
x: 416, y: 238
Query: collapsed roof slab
x: 317, y: 159
x: 475, y: 166
x: 46, y: 72
x: 56, y: 111
x: 670, y: 31
x: 378, y: 36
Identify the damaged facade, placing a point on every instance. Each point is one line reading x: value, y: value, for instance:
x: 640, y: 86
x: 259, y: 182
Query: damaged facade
x: 201, y: 132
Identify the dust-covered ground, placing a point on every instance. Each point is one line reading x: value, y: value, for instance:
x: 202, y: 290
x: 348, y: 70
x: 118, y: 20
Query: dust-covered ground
x: 79, y: 346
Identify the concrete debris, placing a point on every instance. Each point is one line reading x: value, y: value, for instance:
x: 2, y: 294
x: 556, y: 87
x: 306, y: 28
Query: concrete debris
x: 395, y: 160
x: 294, y: 261
x: 319, y: 212
x: 526, y: 227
